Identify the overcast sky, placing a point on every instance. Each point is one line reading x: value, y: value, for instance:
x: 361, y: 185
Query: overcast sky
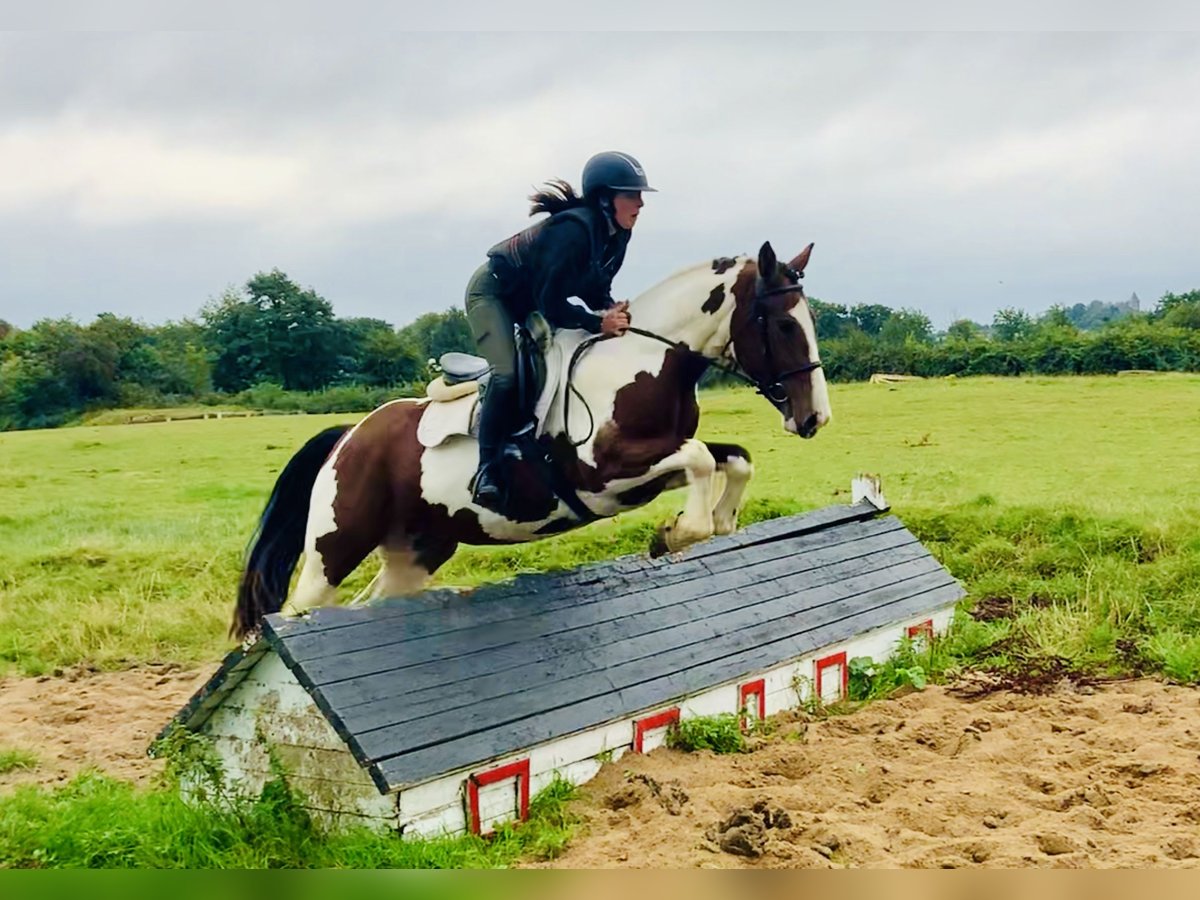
x: 142, y: 174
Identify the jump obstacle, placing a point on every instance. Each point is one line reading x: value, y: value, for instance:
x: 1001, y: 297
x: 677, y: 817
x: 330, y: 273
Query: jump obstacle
x: 443, y: 713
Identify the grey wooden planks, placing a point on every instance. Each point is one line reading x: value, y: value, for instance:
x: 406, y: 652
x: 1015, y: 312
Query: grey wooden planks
x: 420, y: 686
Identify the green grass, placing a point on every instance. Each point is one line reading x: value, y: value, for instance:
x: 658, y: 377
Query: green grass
x: 1068, y: 508
x: 99, y: 822
x: 1076, y: 498
x: 17, y: 761
x: 721, y: 733
x: 132, y: 415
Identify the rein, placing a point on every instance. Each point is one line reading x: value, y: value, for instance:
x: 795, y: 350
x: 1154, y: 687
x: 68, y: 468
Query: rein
x: 771, y: 387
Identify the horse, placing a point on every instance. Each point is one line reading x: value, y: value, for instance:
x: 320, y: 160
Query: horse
x: 376, y: 487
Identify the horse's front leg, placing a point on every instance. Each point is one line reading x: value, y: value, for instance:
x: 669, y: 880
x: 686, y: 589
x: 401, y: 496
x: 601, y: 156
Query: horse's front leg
x: 695, y: 523
x: 733, y: 462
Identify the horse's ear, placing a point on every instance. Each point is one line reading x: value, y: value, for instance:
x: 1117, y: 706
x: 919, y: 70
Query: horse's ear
x: 766, y: 261
x: 801, y: 261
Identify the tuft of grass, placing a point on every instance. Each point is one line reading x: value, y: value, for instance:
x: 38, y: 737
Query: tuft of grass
x: 99, y: 822
x: 720, y: 733
x: 16, y: 760
x: 1097, y: 595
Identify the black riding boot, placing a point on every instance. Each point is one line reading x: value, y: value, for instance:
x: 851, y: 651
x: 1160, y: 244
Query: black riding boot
x: 495, y: 420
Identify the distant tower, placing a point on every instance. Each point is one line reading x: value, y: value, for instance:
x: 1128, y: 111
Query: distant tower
x: 1134, y: 303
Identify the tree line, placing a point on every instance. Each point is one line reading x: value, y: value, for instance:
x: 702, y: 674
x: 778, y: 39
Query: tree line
x: 859, y: 341
x: 273, y: 344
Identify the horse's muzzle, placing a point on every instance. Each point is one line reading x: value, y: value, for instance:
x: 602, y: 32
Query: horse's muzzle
x: 806, y: 429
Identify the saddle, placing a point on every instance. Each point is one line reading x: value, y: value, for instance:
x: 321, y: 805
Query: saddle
x: 542, y: 361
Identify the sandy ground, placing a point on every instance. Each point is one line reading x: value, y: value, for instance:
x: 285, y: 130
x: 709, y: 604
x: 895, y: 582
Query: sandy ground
x: 1082, y: 776
x: 86, y: 720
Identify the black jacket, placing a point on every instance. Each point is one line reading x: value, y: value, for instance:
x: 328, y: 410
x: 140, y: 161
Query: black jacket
x: 568, y: 254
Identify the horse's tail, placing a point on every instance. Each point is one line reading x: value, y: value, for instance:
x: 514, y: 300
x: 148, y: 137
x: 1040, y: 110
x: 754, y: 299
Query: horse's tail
x: 279, y: 539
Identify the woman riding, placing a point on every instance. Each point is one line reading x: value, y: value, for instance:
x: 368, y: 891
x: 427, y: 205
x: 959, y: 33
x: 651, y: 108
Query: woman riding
x: 573, y: 253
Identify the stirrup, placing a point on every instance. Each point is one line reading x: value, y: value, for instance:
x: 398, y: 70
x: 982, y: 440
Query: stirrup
x: 499, y: 485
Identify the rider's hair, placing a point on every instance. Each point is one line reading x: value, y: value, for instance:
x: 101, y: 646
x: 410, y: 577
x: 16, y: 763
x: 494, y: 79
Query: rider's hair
x: 555, y: 196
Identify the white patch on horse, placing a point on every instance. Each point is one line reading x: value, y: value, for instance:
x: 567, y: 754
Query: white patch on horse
x: 400, y: 574
x: 820, y: 388
x: 312, y: 587
x: 695, y: 523
x: 737, y: 471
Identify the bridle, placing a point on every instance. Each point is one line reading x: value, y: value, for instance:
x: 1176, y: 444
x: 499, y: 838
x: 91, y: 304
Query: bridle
x: 770, y: 386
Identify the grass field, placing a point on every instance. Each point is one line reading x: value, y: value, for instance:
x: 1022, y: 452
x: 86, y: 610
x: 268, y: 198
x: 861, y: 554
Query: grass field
x: 1075, y: 500
x: 1069, y: 508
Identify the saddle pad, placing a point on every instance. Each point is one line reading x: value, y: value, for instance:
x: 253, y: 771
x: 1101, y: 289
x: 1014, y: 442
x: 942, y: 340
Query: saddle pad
x: 450, y: 414
x: 441, y: 421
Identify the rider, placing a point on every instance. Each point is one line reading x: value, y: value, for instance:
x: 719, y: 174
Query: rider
x: 573, y: 253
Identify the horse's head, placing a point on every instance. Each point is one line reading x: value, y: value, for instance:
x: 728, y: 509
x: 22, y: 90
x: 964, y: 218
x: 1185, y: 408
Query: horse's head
x: 774, y: 340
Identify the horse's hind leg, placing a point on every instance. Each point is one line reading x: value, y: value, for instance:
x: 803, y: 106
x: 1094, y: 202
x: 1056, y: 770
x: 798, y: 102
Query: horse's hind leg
x: 312, y: 588
x: 734, y: 463
x: 409, y: 562
x: 402, y: 574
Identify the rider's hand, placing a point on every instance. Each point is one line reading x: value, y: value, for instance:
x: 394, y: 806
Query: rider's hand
x: 615, y: 320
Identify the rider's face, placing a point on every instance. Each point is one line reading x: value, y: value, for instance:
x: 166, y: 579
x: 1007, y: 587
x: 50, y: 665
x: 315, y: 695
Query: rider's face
x: 626, y: 205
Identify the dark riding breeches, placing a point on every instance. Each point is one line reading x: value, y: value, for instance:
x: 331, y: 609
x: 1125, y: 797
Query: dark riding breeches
x: 491, y: 323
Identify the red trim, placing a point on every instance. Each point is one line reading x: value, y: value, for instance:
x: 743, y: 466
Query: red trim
x: 750, y: 689
x: 837, y: 659
x: 658, y: 720
x: 518, y: 770
x: 922, y: 628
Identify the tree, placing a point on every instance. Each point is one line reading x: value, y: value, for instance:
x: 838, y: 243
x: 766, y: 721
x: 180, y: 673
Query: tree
x: 1179, y: 310
x: 275, y: 332
x: 1012, y: 325
x: 1056, y: 316
x: 387, y: 358
x: 964, y: 330
x: 870, y: 317
x: 906, y: 325
x: 833, y: 320
x: 436, y: 333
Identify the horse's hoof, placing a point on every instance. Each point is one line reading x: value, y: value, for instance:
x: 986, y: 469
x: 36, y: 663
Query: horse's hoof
x: 658, y: 543
x: 722, y: 527
x: 251, y: 638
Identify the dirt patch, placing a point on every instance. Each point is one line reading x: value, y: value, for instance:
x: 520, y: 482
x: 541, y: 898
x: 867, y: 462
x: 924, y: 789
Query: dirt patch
x: 1097, y: 776
x: 1083, y: 776
x: 83, y: 720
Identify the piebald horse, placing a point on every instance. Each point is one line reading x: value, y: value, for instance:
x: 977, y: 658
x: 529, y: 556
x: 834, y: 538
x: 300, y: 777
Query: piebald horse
x: 374, y: 486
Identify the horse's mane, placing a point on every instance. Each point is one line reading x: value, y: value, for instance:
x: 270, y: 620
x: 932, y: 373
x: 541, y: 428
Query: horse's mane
x: 705, y: 267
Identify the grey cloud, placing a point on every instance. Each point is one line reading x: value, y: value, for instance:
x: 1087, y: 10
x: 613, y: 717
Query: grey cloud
x: 927, y: 168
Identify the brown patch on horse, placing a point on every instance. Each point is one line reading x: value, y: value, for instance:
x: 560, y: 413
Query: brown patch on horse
x: 379, y: 502
x: 723, y: 264
x: 530, y: 497
x: 715, y: 299
x: 652, y: 416
x: 722, y: 453
x: 747, y: 340
x: 644, y: 493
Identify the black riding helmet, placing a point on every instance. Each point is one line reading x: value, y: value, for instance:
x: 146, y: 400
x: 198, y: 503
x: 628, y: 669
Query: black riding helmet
x: 613, y: 171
